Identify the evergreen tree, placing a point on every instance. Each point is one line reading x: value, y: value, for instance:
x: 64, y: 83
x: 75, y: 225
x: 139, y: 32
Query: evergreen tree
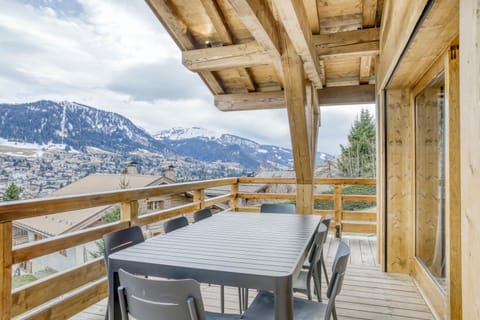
x: 12, y: 193
x: 358, y: 156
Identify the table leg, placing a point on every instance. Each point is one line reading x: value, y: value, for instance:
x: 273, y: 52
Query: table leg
x: 284, y: 301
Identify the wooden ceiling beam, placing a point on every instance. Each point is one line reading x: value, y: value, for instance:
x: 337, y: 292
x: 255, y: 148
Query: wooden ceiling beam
x: 346, y: 37
x: 218, y: 21
x: 350, y: 50
x: 295, y: 22
x: 184, y: 39
x: 259, y: 20
x: 329, y: 96
x: 365, y: 68
x: 219, y: 58
x: 369, y: 13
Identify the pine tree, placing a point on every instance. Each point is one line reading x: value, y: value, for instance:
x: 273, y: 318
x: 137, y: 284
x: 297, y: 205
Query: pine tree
x: 358, y: 156
x: 12, y: 193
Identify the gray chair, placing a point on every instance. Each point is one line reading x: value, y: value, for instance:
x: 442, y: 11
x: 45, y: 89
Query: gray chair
x: 174, y: 224
x: 150, y: 299
x: 325, y: 221
x: 277, y: 208
x: 303, y: 283
x: 119, y: 240
x: 263, y: 305
x: 202, y: 214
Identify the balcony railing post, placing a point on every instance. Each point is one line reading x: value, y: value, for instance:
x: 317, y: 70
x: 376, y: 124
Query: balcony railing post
x: 6, y: 270
x: 129, y: 211
x: 338, y: 210
x: 234, y: 202
x: 199, y: 196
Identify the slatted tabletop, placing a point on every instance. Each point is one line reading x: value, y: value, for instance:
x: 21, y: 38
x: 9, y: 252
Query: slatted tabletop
x: 261, y: 251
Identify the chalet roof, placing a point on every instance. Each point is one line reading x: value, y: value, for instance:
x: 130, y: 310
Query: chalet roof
x: 56, y: 224
x: 236, y: 46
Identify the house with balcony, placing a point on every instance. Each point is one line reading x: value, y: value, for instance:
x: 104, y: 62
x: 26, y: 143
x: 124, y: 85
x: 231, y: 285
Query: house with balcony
x: 417, y: 60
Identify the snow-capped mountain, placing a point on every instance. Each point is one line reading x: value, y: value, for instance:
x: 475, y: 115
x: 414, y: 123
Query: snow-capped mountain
x: 73, y: 125
x: 207, y: 145
x: 80, y: 128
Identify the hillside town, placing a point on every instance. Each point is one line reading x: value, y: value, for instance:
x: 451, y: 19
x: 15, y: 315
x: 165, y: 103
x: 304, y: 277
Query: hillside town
x: 42, y: 173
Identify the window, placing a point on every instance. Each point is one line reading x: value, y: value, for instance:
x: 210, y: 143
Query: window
x: 156, y: 205
x: 430, y: 178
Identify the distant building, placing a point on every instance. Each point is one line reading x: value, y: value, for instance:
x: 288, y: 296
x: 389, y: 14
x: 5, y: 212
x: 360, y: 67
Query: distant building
x: 32, y: 229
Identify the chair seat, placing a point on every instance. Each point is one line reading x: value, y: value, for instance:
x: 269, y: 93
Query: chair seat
x: 263, y: 308
x: 222, y: 316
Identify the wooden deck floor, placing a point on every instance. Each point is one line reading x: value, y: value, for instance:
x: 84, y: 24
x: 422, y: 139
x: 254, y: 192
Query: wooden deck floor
x: 368, y: 293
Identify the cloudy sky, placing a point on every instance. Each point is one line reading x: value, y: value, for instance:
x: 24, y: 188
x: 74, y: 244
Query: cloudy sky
x: 115, y: 55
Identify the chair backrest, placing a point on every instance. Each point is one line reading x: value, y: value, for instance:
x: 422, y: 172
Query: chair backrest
x: 174, y: 224
x: 202, y: 214
x: 316, y: 252
x: 119, y: 240
x: 326, y: 221
x: 338, y: 273
x: 147, y: 298
x: 277, y: 208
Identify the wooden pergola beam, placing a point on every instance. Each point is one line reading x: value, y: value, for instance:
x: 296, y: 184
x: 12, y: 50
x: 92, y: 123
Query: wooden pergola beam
x: 346, y: 37
x: 350, y: 50
x: 369, y: 13
x: 259, y: 20
x: 329, y: 96
x: 185, y: 41
x: 295, y: 22
x: 365, y: 68
x: 235, y: 56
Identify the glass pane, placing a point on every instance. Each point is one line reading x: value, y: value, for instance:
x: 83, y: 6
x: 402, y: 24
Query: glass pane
x: 430, y: 178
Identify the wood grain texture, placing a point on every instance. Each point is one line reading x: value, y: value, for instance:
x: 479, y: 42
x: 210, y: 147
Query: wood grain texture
x: 369, y: 13
x: 258, y: 18
x: 453, y: 184
x: 349, y: 50
x: 181, y: 35
x: 6, y: 237
x: 295, y: 101
x: 295, y: 22
x: 399, y: 176
x: 74, y: 303
x: 15, y: 210
x: 244, y: 55
x: 346, y: 37
x: 45, y: 246
x: 470, y: 155
x: 329, y: 96
x: 39, y: 292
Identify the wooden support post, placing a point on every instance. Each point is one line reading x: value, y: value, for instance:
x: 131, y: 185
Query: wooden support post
x: 304, y: 200
x: 199, y: 196
x: 234, y: 201
x: 129, y: 212
x: 338, y: 210
x: 470, y: 155
x: 5, y: 270
x: 399, y: 177
x: 453, y: 203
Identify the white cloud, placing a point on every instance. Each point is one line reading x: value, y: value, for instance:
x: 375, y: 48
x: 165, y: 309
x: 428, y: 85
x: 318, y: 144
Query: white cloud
x: 115, y: 55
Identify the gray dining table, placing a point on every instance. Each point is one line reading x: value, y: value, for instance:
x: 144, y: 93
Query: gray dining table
x: 247, y: 250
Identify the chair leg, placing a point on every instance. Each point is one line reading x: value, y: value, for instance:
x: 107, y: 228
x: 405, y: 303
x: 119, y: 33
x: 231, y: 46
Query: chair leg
x: 240, y: 300
x: 245, y: 299
x: 324, y: 267
x: 222, y: 299
x: 317, y: 281
x: 309, y: 290
x: 334, y: 313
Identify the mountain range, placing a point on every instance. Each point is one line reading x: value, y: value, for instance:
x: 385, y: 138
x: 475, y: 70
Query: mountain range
x: 79, y: 127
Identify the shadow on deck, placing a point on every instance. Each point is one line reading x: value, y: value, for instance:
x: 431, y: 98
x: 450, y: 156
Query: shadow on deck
x: 368, y: 293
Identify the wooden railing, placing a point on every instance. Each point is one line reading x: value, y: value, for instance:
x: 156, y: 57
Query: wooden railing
x: 68, y: 292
